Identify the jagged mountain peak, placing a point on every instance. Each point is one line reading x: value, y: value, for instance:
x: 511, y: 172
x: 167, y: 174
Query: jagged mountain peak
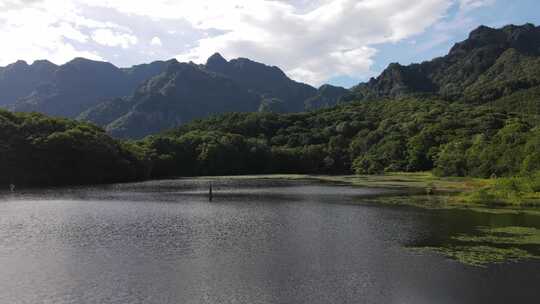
x: 216, y: 60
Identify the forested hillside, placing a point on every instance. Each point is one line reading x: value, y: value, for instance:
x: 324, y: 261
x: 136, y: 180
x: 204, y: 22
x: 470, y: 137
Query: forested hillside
x: 39, y: 150
x: 410, y: 134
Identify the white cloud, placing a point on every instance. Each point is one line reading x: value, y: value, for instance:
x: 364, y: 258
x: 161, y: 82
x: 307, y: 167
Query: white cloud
x: 334, y: 38
x: 108, y: 37
x: 46, y: 29
x: 156, y: 41
x: 311, y: 40
x: 34, y: 30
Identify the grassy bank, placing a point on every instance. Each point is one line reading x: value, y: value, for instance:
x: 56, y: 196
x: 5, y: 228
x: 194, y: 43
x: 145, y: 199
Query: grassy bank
x: 519, y: 191
x: 491, y: 246
x: 421, y: 182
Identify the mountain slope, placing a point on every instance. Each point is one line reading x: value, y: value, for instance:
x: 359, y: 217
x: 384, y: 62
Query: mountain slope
x: 72, y: 88
x: 490, y: 64
x: 185, y: 92
x: 269, y: 82
x: 327, y: 96
x: 182, y: 93
x: 148, y: 98
x: 20, y: 79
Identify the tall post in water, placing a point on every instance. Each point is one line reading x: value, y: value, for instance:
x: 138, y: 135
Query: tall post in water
x: 210, y: 194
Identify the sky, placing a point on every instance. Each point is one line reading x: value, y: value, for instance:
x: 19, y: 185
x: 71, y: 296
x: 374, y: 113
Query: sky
x: 341, y: 42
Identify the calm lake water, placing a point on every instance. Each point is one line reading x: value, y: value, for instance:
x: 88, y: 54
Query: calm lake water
x: 257, y: 242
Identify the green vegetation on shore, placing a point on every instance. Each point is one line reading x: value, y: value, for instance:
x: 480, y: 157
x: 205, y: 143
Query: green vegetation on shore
x: 409, y: 135
x: 409, y: 182
x: 515, y: 191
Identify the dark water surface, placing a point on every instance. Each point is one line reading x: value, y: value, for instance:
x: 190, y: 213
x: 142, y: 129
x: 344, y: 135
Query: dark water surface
x: 257, y: 242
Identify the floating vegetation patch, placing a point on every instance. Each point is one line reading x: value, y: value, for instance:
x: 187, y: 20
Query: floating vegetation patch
x: 480, y: 255
x: 504, y: 236
x: 448, y: 202
x: 491, y: 245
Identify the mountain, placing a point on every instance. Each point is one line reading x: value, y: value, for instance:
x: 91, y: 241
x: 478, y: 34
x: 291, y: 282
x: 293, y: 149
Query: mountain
x: 72, y: 88
x: 327, y: 96
x: 182, y: 93
x: 148, y: 98
x: 490, y: 64
x: 267, y: 81
x: 186, y: 91
x: 20, y: 79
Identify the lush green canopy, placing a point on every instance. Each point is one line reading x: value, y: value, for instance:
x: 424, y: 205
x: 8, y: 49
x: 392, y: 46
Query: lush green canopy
x: 35, y: 149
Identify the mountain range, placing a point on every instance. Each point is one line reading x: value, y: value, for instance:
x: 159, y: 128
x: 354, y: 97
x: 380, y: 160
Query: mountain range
x: 491, y: 65
x: 148, y: 98
x: 186, y: 91
x: 68, y: 89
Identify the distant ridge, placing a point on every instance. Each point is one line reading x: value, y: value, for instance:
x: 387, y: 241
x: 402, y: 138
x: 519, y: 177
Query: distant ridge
x: 187, y: 91
x: 71, y: 88
x: 490, y: 64
x: 148, y: 98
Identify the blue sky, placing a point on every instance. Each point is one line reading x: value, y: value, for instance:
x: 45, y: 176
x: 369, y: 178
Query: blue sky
x: 342, y: 42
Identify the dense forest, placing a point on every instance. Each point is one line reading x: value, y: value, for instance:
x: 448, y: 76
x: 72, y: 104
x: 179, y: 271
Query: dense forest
x: 39, y: 150
x: 367, y: 137
x: 411, y: 134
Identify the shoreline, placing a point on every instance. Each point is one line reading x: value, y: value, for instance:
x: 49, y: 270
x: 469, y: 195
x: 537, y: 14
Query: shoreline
x: 419, y: 189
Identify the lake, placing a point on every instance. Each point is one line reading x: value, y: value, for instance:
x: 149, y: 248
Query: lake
x: 258, y: 241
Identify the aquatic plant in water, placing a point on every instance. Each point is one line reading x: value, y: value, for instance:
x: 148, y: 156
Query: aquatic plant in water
x: 491, y: 245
